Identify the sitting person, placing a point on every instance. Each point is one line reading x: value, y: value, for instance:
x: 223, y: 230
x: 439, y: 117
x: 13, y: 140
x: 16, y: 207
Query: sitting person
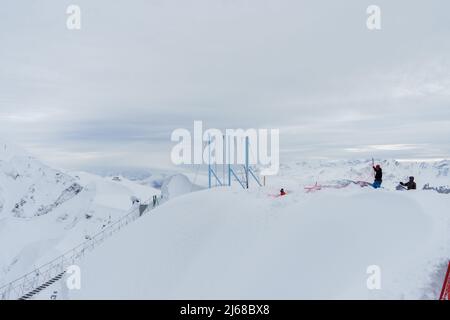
x: 410, y: 185
x: 282, y: 192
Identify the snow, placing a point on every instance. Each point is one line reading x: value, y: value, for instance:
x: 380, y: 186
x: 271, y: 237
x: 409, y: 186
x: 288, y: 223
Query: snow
x: 45, y: 212
x: 177, y: 185
x: 233, y: 244
x: 230, y: 243
x: 309, y: 172
x: 116, y: 194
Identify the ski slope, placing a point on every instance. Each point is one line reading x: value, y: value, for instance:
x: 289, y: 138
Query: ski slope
x: 233, y: 244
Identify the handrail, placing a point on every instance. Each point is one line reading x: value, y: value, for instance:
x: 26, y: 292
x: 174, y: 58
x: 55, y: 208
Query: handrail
x: 33, y: 279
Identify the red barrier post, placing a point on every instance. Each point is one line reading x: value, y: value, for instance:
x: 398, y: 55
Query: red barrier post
x: 445, y: 293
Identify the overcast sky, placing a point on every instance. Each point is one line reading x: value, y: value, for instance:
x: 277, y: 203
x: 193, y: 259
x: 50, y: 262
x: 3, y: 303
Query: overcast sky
x: 112, y: 92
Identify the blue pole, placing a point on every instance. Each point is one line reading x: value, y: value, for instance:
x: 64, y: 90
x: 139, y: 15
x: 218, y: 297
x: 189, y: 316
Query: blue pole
x: 229, y: 161
x: 224, y: 158
x: 246, y: 160
x: 209, y: 161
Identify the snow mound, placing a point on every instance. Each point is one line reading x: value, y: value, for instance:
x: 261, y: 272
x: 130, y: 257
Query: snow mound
x: 175, y: 186
x: 229, y: 244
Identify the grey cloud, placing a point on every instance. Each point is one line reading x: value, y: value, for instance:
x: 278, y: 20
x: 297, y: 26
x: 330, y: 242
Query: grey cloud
x: 139, y: 69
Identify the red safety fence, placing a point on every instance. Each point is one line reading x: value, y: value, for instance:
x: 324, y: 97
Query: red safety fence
x: 445, y: 294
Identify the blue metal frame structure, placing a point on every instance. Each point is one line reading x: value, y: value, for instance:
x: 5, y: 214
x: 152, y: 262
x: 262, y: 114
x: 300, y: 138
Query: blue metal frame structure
x: 231, y: 173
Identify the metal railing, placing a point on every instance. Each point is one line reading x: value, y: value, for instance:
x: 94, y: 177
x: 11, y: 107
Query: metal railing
x: 32, y: 280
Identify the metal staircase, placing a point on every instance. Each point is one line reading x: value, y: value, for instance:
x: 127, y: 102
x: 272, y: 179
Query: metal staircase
x: 39, y: 279
x: 42, y: 287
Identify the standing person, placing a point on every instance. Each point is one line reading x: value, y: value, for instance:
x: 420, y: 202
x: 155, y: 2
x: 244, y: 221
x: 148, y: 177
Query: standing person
x: 378, y: 176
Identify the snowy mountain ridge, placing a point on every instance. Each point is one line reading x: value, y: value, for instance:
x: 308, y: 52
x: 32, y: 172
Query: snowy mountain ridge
x: 44, y: 211
x: 394, y: 171
x: 28, y: 188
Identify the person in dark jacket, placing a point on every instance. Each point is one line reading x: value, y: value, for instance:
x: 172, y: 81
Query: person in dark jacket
x: 282, y: 192
x: 410, y: 185
x: 378, y: 176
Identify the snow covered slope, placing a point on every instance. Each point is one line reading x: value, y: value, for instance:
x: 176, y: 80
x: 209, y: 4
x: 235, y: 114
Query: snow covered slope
x: 115, y: 194
x: 230, y: 243
x: 24, y: 185
x: 233, y: 244
x: 177, y: 185
x: 45, y: 212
